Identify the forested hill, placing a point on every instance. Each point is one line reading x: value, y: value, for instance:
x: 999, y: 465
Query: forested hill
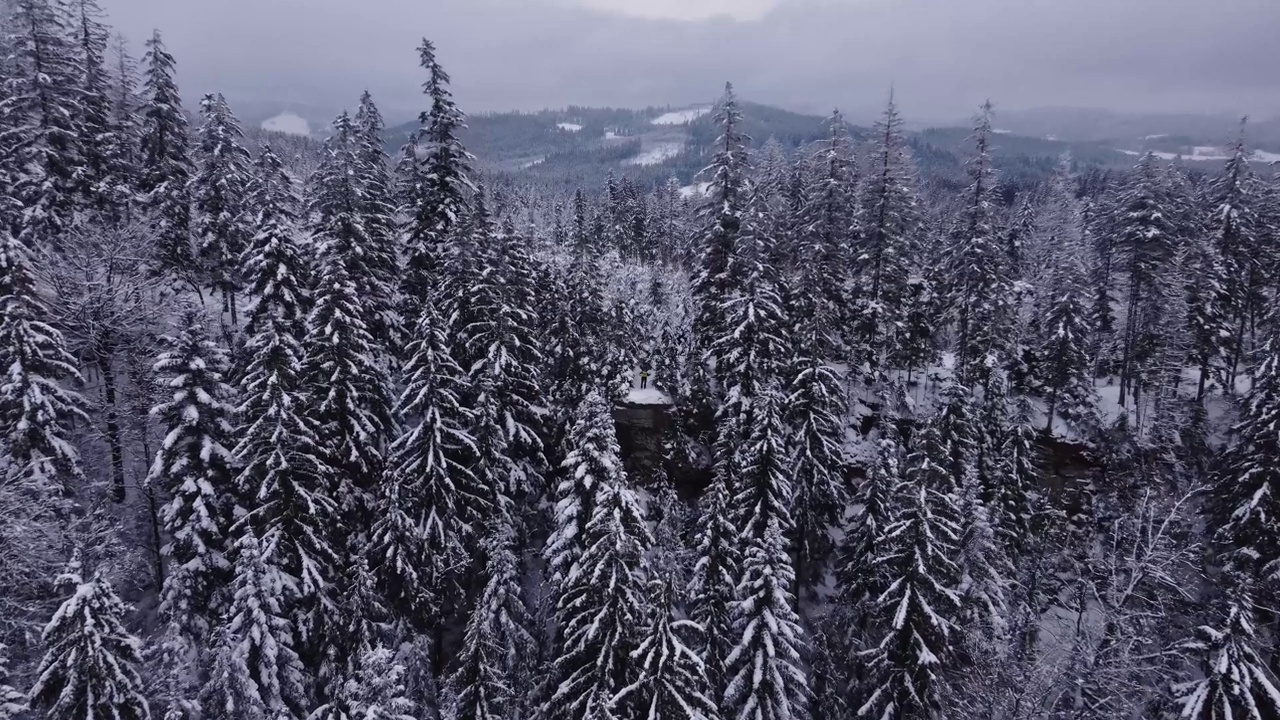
x: 580, y: 146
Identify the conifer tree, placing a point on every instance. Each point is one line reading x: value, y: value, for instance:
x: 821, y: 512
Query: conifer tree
x: 195, y: 469
x: 438, y: 186
x: 219, y: 191
x: 351, y: 392
x: 36, y: 412
x: 1067, y: 377
x: 230, y: 692
x: 726, y: 202
x: 100, y: 179
x: 978, y: 266
x: 90, y: 665
x: 672, y: 682
x: 43, y: 108
x: 274, y: 268
x: 429, y: 504
x: 887, y: 244
x: 600, y: 606
x: 487, y: 684
x: 261, y: 636
x: 1237, y: 684
x: 826, y: 234
x: 714, y: 583
x: 12, y: 702
x: 1208, y: 329
x: 861, y: 578
x: 167, y: 166
x: 917, y: 610
x: 378, y: 215
x: 1245, y: 503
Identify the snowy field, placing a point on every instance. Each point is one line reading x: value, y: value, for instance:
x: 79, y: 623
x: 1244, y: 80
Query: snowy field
x: 656, y: 154
x: 288, y: 122
x: 680, y: 117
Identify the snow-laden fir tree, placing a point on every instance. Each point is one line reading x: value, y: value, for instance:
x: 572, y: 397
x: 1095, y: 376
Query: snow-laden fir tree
x: 274, y: 267
x: 672, y: 681
x: 765, y: 677
x: 436, y: 178
x: 90, y: 665
x: 219, y: 192
x: 351, y: 393
x: 258, y: 639
x: 230, y: 690
x: 194, y: 469
x: 428, y: 505
x: 124, y: 147
x: 727, y: 198
x: 601, y: 605
x: 167, y: 166
x: 103, y: 181
x: 1065, y: 365
x: 42, y: 113
x: 860, y: 577
x: 1236, y: 683
x: 980, y: 287
x: 492, y: 669
x: 12, y: 702
x: 1245, y: 504
x: 36, y: 411
x: 917, y: 613
x: 283, y: 483
x: 826, y: 233
x: 883, y: 260
x: 1208, y: 328
x: 1145, y: 247
x: 713, y: 586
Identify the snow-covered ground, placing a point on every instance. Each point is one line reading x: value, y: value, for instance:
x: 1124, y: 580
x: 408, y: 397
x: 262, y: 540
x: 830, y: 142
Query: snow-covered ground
x: 658, y: 153
x: 288, y: 122
x: 611, y: 135
x: 1202, y: 153
x: 680, y: 117
x: 531, y: 163
x: 699, y: 189
x: 570, y: 127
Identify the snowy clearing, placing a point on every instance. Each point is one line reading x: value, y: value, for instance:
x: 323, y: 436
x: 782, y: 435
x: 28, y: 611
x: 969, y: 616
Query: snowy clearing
x: 570, y: 127
x: 611, y: 135
x: 699, y: 189
x: 680, y: 117
x: 1204, y: 153
x: 656, y: 154
x: 288, y: 122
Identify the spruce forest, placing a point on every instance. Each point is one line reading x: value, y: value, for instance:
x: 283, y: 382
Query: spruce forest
x: 299, y: 430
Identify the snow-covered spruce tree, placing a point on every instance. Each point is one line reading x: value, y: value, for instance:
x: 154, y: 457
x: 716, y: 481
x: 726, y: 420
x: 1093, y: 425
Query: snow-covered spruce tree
x: 601, y: 604
x: 497, y: 343
x: 377, y: 692
x: 727, y: 198
x: 827, y: 227
x: 167, y: 167
x: 860, y: 578
x: 1066, y: 368
x: 230, y: 692
x: 766, y: 678
x: 428, y: 505
x: 194, y: 469
x: 1245, y: 505
x: 1145, y: 246
x: 219, y: 192
x: 713, y: 586
x: 980, y: 287
x: 102, y: 181
x: 42, y: 110
x: 124, y: 146
x: 907, y: 674
x: 672, y: 681
x: 819, y: 466
x: 436, y: 186
x: 1238, y: 229
x: 274, y: 268
x: 351, y: 393
x: 284, y: 483
x: 888, y: 246
x: 492, y: 667
x: 90, y: 665
x: 35, y: 410
x: 1208, y: 328
x: 259, y: 638
x: 1236, y: 682
x: 12, y: 702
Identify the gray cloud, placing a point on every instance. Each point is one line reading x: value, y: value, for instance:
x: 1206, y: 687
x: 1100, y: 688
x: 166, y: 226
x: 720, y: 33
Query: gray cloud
x: 943, y: 56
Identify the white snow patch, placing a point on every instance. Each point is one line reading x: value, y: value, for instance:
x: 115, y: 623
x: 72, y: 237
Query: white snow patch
x: 611, y: 135
x: 531, y: 163
x: 1128, y: 152
x: 288, y: 122
x: 680, y: 117
x: 699, y: 189
x: 571, y: 127
x: 1157, y: 136
x: 656, y: 154
x: 999, y: 131
x: 1051, y: 138
x: 1266, y: 157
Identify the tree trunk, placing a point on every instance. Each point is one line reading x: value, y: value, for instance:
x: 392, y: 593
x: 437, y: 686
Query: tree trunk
x: 106, y: 356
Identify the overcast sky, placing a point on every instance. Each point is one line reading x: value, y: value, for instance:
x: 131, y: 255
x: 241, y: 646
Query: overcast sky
x: 943, y: 56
